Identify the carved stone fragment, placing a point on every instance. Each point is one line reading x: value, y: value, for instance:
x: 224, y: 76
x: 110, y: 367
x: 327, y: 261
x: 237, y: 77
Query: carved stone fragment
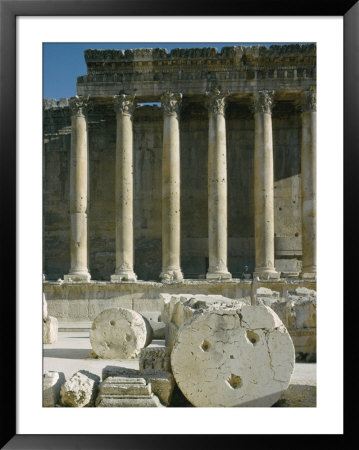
x: 126, y: 392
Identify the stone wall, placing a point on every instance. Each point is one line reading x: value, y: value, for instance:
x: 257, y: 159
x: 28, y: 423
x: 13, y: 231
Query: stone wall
x: 147, y: 132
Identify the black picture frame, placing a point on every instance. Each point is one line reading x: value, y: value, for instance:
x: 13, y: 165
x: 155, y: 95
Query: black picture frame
x: 9, y: 10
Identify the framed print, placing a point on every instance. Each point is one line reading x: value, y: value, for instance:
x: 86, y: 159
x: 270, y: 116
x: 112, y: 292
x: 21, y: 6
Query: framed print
x: 82, y: 191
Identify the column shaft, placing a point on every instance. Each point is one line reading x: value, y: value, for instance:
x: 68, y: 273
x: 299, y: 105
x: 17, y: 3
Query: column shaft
x: 308, y: 174
x: 124, y: 190
x: 217, y: 188
x: 171, y: 232
x: 263, y: 187
x: 78, y: 192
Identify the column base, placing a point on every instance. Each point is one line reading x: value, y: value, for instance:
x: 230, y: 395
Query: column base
x: 219, y: 276
x: 266, y: 274
x: 77, y: 277
x: 308, y: 275
x: 123, y: 277
x: 171, y: 275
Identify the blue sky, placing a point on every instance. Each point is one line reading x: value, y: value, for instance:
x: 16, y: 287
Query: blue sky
x: 64, y: 62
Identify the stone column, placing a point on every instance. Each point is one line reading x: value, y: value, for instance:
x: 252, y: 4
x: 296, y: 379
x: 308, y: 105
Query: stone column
x: 124, y: 106
x: 308, y: 174
x: 78, y: 191
x: 217, y: 187
x: 171, y: 269
x: 263, y: 186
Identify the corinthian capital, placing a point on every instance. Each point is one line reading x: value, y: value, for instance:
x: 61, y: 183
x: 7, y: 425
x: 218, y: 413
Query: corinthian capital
x: 78, y: 105
x: 263, y: 102
x: 171, y: 102
x: 124, y: 104
x: 308, y: 101
x: 216, y: 101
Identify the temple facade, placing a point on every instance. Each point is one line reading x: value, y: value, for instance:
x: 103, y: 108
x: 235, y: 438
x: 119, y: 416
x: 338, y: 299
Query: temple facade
x: 188, y: 164
x: 191, y: 170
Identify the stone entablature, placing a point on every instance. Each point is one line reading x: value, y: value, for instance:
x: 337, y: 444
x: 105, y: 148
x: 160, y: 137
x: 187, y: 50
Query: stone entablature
x: 240, y: 69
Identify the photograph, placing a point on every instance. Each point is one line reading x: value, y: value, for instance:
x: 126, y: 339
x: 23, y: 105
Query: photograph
x: 175, y: 203
x: 179, y: 224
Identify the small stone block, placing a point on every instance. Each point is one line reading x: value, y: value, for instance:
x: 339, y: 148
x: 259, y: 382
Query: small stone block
x: 80, y: 390
x: 52, y: 382
x: 49, y: 330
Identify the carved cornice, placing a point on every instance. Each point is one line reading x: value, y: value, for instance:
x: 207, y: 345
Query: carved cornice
x: 308, y: 101
x: 285, y: 62
x: 216, y: 101
x: 79, y: 106
x: 263, y: 102
x: 171, y: 102
x: 124, y: 104
x: 206, y: 52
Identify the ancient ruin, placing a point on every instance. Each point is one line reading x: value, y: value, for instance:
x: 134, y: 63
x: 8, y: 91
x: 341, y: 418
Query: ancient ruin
x: 234, y: 138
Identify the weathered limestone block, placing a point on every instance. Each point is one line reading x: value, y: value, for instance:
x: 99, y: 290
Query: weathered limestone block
x: 303, y: 291
x: 119, y: 333
x: 177, y: 309
x: 305, y: 313
x: 266, y: 297
x: 50, y: 328
x: 51, y: 385
x: 298, y: 313
x: 232, y: 355
x: 80, y: 390
x: 126, y: 392
x: 155, y: 358
x: 162, y: 384
x: 154, y: 320
x: 44, y: 306
x: 118, y: 371
x: 305, y: 341
x: 155, y: 367
x: 49, y: 325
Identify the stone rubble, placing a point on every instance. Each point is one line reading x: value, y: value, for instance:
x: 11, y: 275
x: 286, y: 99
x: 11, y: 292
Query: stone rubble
x: 119, y: 333
x: 80, y: 390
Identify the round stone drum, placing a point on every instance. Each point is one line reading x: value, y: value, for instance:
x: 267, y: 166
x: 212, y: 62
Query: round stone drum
x: 241, y: 357
x: 119, y: 333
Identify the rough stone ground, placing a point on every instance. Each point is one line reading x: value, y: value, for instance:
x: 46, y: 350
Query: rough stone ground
x: 71, y: 354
